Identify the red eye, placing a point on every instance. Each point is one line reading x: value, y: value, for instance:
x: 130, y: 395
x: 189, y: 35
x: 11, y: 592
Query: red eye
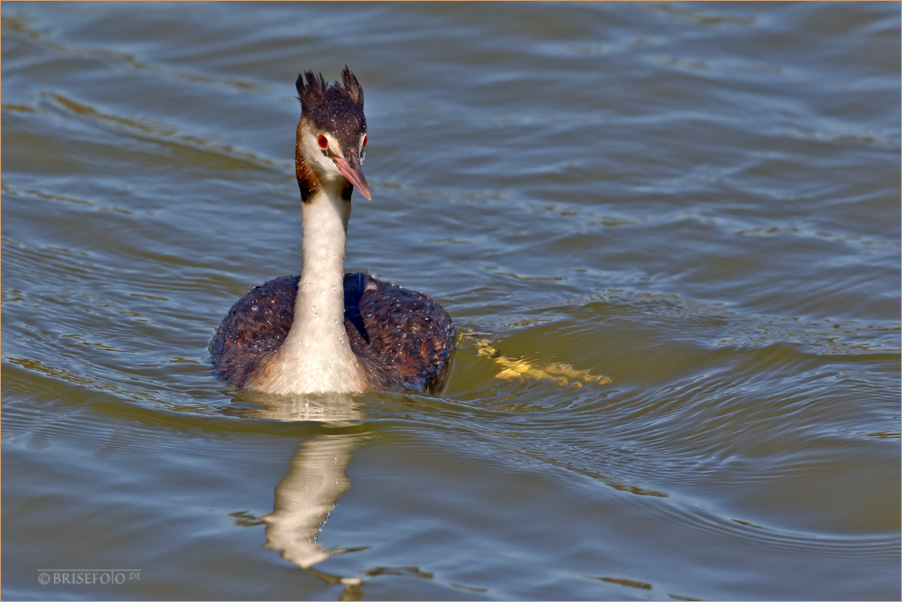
x: 364, y: 142
x: 321, y: 140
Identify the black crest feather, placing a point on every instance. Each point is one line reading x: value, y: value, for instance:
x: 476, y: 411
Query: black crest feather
x: 336, y: 107
x: 314, y: 90
x: 352, y: 87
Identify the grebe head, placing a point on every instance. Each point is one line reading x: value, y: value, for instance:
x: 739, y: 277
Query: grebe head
x: 331, y: 138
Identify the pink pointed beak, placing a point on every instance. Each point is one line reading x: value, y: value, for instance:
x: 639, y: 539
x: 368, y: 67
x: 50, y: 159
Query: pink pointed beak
x: 354, y: 173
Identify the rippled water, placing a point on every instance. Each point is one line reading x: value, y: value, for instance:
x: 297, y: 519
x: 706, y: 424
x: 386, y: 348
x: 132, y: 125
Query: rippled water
x: 699, y: 202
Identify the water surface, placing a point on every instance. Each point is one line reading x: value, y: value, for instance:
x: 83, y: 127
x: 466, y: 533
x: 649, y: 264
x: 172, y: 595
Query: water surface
x: 699, y: 202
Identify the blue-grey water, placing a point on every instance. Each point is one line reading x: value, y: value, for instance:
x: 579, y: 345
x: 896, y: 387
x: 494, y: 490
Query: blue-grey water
x: 699, y: 202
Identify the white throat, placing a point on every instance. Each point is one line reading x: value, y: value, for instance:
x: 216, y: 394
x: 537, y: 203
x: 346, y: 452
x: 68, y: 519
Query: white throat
x: 316, y: 356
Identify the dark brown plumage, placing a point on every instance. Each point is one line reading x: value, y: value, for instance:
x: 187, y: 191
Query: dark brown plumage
x: 404, y: 339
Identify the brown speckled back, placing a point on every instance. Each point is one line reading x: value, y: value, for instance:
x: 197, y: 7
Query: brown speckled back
x: 403, y: 339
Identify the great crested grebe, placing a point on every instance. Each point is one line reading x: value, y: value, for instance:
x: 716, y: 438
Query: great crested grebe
x: 327, y: 331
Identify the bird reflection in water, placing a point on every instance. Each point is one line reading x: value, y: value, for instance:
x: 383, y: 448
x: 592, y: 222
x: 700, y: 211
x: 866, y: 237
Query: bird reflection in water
x: 316, y: 479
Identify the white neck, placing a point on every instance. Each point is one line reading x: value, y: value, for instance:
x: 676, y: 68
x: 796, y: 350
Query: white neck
x: 316, y: 356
